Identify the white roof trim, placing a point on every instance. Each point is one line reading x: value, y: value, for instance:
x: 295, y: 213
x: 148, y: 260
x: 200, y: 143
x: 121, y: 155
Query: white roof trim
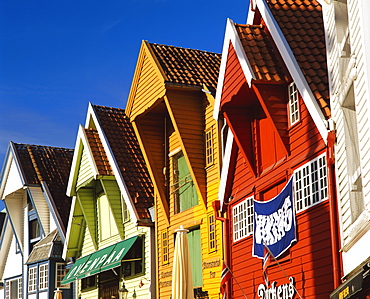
x: 112, y: 160
x: 80, y: 141
x: 294, y: 69
x: 231, y: 36
x: 69, y: 226
x: 225, y: 167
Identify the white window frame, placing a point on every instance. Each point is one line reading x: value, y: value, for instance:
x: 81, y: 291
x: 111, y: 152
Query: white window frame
x: 209, y: 147
x: 8, y: 292
x: 211, y: 232
x: 32, y: 279
x: 61, y: 272
x: 43, y: 277
x: 243, y: 219
x: 310, y: 183
x: 294, y: 115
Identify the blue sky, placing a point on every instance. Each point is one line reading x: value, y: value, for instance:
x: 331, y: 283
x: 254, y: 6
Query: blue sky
x: 56, y: 56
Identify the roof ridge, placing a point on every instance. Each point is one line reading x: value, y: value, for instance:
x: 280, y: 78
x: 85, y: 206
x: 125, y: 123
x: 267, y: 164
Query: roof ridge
x: 25, y: 145
x: 192, y: 49
x: 250, y: 25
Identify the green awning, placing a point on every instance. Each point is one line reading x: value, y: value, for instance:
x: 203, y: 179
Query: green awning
x: 99, y: 261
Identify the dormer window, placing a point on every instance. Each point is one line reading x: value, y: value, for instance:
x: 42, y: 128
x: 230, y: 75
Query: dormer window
x: 34, y: 233
x: 293, y: 104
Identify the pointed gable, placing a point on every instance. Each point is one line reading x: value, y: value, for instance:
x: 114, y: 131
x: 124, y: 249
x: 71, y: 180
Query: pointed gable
x: 126, y: 151
x: 50, y: 165
x: 301, y: 22
x: 184, y: 74
x: 188, y: 66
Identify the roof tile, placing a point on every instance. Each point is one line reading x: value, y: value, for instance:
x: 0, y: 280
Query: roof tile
x: 188, y: 66
x: 51, y: 165
x: 100, y: 157
x: 302, y: 20
x: 126, y: 150
x: 262, y: 57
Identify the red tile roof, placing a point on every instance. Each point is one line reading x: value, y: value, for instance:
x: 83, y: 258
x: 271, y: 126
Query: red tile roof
x: 51, y: 165
x: 188, y: 66
x: 264, y: 59
x: 301, y: 22
x: 100, y: 157
x: 126, y: 150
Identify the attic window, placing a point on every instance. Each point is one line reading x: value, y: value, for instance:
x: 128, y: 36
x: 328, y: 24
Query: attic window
x: 293, y: 104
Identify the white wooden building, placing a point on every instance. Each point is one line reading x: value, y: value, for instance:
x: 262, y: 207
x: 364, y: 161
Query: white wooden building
x: 32, y: 186
x: 347, y: 24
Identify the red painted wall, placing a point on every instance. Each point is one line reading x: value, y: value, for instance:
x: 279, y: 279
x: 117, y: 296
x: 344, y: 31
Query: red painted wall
x: 263, y: 172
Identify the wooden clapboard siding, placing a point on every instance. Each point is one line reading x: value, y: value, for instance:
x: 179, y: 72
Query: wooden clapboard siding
x: 91, y: 294
x: 85, y: 172
x: 87, y: 202
x: 147, y: 85
x: 308, y: 261
x: 113, y: 193
x: 168, y: 120
x: 234, y: 77
x: 76, y: 231
x: 187, y: 116
x: 150, y: 134
x: 42, y: 208
x: 88, y: 246
x: 16, y: 207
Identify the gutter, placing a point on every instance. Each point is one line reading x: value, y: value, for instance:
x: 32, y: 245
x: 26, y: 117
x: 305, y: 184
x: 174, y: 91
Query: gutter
x: 333, y: 211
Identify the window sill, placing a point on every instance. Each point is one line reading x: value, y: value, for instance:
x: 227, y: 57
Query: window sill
x: 356, y: 230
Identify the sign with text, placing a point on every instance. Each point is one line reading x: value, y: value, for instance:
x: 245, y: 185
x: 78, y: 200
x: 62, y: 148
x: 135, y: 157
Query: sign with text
x: 274, y: 223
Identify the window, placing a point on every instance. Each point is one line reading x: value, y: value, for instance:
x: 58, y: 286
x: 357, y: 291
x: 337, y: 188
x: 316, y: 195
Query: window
x: 125, y: 211
x: 165, y: 246
x: 13, y: 289
x: 209, y: 148
x: 43, y: 276
x: 32, y: 277
x: 310, y: 183
x: 243, y: 219
x: 352, y: 149
x: 293, y: 104
x: 88, y: 282
x: 61, y: 271
x: 183, y: 188
x: 133, y: 263
x: 211, y: 232
x: 35, y: 233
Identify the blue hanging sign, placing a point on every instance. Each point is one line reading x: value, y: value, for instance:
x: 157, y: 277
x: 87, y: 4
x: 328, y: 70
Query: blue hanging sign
x: 274, y: 223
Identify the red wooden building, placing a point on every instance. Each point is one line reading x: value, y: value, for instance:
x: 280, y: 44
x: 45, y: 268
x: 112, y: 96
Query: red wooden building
x: 273, y: 96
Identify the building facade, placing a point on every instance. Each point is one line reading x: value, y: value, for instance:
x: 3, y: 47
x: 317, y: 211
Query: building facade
x: 110, y: 234
x: 277, y: 193
x: 170, y: 106
x: 34, y: 181
x: 348, y: 47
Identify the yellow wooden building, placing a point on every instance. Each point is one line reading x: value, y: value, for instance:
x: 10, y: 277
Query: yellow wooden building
x: 110, y: 236
x: 170, y: 106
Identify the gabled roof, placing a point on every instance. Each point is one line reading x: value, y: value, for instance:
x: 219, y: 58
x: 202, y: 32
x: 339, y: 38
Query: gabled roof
x: 301, y: 22
x: 97, y: 149
x: 188, y: 66
x: 49, y: 247
x: 296, y: 31
x: 50, y: 165
x: 127, y: 153
x: 264, y: 59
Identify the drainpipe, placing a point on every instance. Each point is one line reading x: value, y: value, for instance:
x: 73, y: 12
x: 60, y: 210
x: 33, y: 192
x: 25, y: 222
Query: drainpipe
x: 334, y: 229
x: 225, y: 228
